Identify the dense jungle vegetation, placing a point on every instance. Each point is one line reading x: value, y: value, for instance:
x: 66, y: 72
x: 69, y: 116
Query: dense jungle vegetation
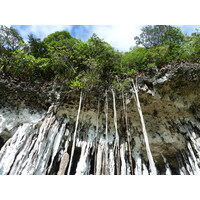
x: 94, y: 63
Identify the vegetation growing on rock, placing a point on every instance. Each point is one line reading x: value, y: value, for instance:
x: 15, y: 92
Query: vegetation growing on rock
x: 94, y: 63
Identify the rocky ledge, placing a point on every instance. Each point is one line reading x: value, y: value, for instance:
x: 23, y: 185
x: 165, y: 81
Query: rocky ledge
x: 45, y: 129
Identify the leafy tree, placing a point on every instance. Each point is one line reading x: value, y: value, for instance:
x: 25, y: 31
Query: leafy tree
x: 190, y: 49
x: 94, y: 63
x: 164, y: 43
x: 10, y: 38
x: 65, y: 54
x: 138, y: 58
x: 152, y: 36
x: 195, y: 46
x: 58, y: 36
x: 37, y: 48
x: 26, y: 67
x: 107, y: 59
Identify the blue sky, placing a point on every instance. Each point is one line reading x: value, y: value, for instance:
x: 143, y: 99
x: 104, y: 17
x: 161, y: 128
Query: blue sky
x: 119, y: 36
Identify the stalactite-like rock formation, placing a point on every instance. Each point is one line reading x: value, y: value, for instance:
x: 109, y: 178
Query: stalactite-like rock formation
x: 149, y: 154
x: 52, y: 131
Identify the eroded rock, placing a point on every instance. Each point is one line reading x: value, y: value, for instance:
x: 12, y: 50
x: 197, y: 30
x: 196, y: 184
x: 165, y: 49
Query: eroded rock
x: 37, y: 127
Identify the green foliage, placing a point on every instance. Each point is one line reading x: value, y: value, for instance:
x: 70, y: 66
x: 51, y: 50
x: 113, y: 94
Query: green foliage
x: 164, y: 45
x: 10, y: 38
x: 138, y: 58
x: 152, y: 36
x: 27, y: 67
x: 108, y: 60
x: 22, y: 64
x: 189, y: 51
x: 65, y: 54
x: 37, y: 47
x: 94, y: 64
x: 160, y: 55
x: 58, y: 36
x: 76, y: 84
x: 195, y: 47
x: 120, y: 84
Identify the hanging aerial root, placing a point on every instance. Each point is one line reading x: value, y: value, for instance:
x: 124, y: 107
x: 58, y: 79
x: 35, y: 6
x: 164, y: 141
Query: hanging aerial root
x: 128, y: 133
x: 106, y: 133
x: 115, y: 121
x: 95, y: 140
x: 116, y: 143
x: 74, y: 138
x: 149, y: 155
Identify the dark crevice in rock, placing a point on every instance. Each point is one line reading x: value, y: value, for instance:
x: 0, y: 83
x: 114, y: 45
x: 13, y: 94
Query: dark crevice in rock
x: 170, y: 103
x: 2, y: 142
x: 76, y: 157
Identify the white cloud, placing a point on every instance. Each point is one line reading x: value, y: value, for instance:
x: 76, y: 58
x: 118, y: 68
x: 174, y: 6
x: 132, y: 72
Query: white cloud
x: 188, y: 29
x: 83, y: 32
x: 119, y: 36
x: 41, y: 31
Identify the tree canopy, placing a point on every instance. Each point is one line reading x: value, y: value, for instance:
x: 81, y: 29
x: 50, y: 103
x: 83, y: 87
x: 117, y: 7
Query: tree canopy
x: 94, y: 63
x: 152, y: 36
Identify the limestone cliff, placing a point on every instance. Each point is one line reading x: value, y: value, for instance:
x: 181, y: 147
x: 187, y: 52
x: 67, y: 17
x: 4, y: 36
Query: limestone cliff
x: 45, y: 129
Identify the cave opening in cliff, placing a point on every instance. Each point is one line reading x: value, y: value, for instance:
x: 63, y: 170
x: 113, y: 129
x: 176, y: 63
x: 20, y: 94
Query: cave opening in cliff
x: 92, y: 163
x: 76, y: 157
x: 1, y: 142
x: 4, y: 138
x: 55, y: 165
x: 174, y: 170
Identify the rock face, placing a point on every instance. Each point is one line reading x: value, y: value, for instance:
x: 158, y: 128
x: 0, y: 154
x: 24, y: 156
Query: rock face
x: 39, y: 126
